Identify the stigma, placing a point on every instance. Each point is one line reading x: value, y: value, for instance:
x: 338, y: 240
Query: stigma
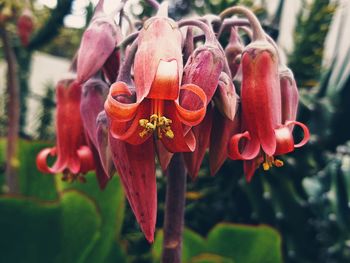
x: 270, y: 161
x: 157, y: 122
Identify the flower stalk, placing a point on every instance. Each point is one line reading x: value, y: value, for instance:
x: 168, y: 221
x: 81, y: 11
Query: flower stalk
x: 13, y: 113
x: 174, y: 210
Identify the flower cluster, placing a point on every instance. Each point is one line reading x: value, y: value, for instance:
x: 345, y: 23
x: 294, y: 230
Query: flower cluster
x: 170, y: 87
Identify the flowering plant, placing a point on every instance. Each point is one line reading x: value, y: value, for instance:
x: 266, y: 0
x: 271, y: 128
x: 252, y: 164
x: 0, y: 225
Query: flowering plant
x: 170, y: 90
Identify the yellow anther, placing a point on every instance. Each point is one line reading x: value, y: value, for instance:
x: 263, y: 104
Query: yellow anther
x: 144, y: 133
x: 161, y: 123
x: 151, y: 126
x: 143, y: 122
x: 169, y: 134
x: 270, y: 161
x: 266, y: 166
x: 154, y: 118
x: 278, y: 163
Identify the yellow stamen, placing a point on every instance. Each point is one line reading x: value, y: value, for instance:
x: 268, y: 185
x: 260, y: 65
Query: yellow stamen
x: 157, y: 121
x: 270, y: 161
x: 266, y: 166
x: 278, y: 163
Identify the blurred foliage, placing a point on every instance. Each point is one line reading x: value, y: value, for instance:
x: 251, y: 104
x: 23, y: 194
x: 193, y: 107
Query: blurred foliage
x: 228, y: 243
x: 52, y: 221
x: 313, y: 23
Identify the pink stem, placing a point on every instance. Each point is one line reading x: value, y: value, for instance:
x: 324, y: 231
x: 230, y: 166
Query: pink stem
x: 13, y: 115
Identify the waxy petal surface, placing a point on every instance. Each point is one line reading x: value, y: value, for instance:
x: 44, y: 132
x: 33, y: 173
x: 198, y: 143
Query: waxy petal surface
x: 202, y: 69
x: 136, y: 168
x: 223, y: 129
x: 260, y: 94
x: 70, y: 132
x: 97, y: 44
x: 160, y: 39
x: 233, y: 52
x: 201, y: 132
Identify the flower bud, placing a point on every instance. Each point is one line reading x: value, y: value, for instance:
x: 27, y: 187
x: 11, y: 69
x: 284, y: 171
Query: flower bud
x: 97, y: 44
x: 25, y: 26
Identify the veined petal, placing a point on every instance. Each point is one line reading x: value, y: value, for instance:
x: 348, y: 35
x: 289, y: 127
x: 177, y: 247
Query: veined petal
x: 284, y: 137
x: 192, y: 117
x: 250, y: 150
x: 261, y: 98
x: 116, y: 110
x: 226, y: 99
x: 41, y: 161
x: 250, y: 166
x: 136, y: 167
x: 202, y: 69
x: 164, y: 156
x: 130, y: 131
x: 233, y: 51
x: 86, y: 159
x: 103, y: 145
x: 223, y: 129
x: 97, y: 44
x: 165, y: 85
x: 184, y: 140
x: 285, y: 142
x: 193, y: 160
x: 289, y: 96
x: 159, y: 39
x: 111, y: 67
x: 70, y: 132
x: 92, y: 101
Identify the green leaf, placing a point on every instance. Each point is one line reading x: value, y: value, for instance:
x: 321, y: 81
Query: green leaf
x: 32, y: 182
x: 245, y: 244
x: 110, y: 204
x: 193, y: 245
x: 38, y: 231
x: 210, y: 258
x: 228, y: 243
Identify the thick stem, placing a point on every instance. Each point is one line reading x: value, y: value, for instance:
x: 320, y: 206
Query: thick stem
x: 174, y: 210
x: 258, y: 32
x: 232, y: 22
x: 125, y: 70
x: 13, y: 115
x: 209, y: 35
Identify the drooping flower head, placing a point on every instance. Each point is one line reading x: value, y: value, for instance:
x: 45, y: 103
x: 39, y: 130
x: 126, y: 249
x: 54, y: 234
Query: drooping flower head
x: 74, y: 157
x: 264, y: 134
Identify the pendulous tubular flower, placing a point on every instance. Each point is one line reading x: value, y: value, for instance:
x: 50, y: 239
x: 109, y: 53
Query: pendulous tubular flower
x: 158, y: 71
x: 74, y: 157
x: 263, y: 104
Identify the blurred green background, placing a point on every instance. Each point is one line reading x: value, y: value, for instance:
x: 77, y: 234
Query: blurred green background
x: 299, y: 213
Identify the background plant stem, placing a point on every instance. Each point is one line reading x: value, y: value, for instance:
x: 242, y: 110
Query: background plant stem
x: 174, y: 210
x: 13, y: 105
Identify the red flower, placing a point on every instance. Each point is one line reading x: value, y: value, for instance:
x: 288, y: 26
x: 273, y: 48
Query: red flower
x: 73, y: 155
x: 265, y: 134
x: 25, y: 26
x: 152, y: 112
x: 158, y: 71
